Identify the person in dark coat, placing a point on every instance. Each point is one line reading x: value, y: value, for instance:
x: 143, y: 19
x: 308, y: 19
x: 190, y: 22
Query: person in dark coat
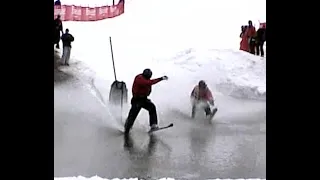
x: 57, y: 23
x: 260, y: 39
x: 57, y: 3
x: 66, y: 43
x: 141, y: 89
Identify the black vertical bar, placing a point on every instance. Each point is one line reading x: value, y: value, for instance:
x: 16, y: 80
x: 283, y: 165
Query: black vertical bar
x: 114, y: 68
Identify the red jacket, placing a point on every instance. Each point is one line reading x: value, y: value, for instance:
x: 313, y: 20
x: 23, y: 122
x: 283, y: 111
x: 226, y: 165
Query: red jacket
x: 250, y: 32
x: 244, y: 45
x: 199, y: 94
x: 142, y: 87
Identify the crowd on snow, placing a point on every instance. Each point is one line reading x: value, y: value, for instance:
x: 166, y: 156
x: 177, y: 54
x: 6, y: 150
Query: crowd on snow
x: 252, y: 41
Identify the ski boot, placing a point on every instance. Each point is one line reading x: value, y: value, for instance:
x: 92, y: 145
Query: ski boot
x: 214, y: 111
x: 154, y: 127
x: 207, y: 110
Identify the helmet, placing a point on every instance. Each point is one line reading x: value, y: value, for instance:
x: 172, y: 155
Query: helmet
x: 202, y: 84
x: 147, y: 73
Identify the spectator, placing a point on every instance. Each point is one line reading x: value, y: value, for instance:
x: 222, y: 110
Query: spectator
x: 244, y: 46
x: 243, y: 29
x: 260, y: 39
x: 66, y: 43
x: 57, y: 28
x: 57, y: 3
x: 250, y: 34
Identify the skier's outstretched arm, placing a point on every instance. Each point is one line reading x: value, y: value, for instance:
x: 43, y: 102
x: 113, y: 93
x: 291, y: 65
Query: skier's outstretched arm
x: 152, y: 81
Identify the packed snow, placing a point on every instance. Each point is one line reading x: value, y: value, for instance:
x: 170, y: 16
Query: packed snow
x: 185, y: 40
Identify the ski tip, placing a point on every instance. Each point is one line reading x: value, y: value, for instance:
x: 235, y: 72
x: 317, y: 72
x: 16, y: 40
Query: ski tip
x: 165, y: 127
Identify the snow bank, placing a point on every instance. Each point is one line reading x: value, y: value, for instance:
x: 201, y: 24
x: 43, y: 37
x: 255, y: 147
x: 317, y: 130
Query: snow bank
x: 228, y: 71
x: 143, y: 37
x: 231, y: 72
x: 99, y: 178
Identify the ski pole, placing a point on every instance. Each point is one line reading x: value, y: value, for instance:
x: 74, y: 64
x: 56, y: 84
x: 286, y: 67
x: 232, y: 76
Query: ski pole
x: 121, y: 103
x: 114, y: 68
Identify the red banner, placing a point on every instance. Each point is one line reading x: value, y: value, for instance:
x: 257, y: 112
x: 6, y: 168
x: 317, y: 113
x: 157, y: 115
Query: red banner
x: 79, y: 13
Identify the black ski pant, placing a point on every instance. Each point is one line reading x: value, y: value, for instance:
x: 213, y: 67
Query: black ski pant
x: 136, y: 105
x: 56, y: 39
x: 259, y: 48
x: 252, y: 46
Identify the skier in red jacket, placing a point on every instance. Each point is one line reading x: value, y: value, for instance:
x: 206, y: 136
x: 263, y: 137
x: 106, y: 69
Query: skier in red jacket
x: 141, y: 89
x: 201, y: 94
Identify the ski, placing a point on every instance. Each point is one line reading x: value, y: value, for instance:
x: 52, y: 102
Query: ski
x: 214, y: 111
x: 161, y: 128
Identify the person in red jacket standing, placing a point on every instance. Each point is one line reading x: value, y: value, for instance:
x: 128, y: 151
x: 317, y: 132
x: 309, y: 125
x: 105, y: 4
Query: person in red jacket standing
x: 250, y: 34
x: 141, y: 89
x: 201, y: 94
x: 244, y: 46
